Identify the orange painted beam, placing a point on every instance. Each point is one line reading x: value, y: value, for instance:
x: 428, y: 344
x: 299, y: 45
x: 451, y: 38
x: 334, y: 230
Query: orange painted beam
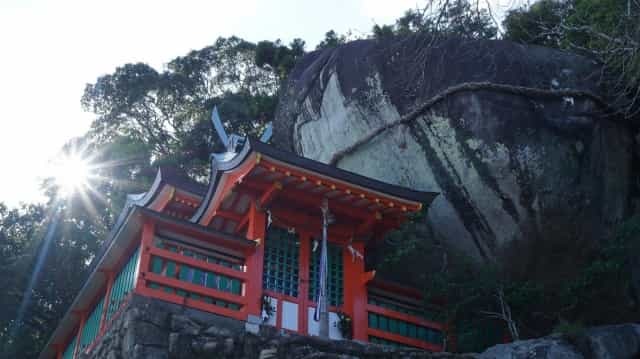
x: 146, y: 243
x: 256, y: 231
x: 204, y: 234
x: 404, y: 340
x: 269, y: 195
x: 163, y: 199
x: 277, y: 295
x: 243, y: 223
x: 211, y: 267
x: 193, y: 288
x: 107, y: 298
x: 311, y: 224
x: 312, y: 200
x: 336, y: 185
x: 341, y: 210
x: 355, y: 291
x: 231, y: 180
x: 192, y: 303
x: 332, y: 308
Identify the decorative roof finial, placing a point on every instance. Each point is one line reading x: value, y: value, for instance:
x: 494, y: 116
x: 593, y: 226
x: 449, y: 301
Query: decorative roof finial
x: 234, y: 142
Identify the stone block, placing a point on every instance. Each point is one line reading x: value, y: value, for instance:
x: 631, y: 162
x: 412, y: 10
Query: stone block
x: 184, y: 324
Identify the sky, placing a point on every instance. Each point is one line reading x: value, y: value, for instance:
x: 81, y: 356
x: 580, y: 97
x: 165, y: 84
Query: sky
x: 49, y: 51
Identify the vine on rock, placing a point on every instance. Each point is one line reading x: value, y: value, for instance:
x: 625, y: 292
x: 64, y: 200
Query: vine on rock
x: 464, y: 87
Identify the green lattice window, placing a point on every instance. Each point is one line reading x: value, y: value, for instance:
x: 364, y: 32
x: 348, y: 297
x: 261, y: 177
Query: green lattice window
x: 123, y: 284
x: 91, y: 326
x: 281, y: 267
x: 334, y: 290
x: 405, y: 329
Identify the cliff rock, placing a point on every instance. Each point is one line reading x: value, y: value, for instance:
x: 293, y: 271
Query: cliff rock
x: 516, y: 139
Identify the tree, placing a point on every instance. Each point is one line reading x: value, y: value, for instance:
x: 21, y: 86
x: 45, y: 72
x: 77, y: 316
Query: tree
x: 607, y: 31
x: 443, y: 18
x: 331, y: 39
x: 531, y: 25
x: 167, y: 113
x: 278, y: 57
x: 18, y: 227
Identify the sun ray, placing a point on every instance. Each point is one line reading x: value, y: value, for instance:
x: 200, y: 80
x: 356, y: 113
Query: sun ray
x: 71, y: 173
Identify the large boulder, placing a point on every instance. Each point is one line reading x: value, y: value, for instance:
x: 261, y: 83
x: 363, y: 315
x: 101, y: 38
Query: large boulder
x: 605, y: 342
x: 535, y: 154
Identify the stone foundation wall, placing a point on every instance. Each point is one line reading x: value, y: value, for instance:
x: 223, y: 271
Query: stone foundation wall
x: 153, y: 329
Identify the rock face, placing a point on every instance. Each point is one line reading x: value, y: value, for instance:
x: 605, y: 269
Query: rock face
x: 152, y: 329
x: 508, y: 165
x: 607, y: 342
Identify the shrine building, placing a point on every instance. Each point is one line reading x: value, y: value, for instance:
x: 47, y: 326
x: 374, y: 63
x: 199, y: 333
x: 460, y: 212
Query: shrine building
x: 248, y: 247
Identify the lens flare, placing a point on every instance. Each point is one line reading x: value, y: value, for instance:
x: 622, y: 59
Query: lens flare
x: 71, y: 173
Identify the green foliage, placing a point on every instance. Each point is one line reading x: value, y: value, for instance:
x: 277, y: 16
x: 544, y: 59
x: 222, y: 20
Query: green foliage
x: 144, y: 118
x: 604, y: 289
x: 382, y: 32
x: 147, y: 117
x: 534, y: 25
x: 278, y: 57
x: 21, y: 233
x: 569, y: 24
x: 445, y: 18
x: 17, y: 228
x: 165, y: 114
x: 606, y: 30
x: 331, y: 39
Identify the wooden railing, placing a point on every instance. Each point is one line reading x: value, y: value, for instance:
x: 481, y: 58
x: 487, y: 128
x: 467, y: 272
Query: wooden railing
x: 196, y: 277
x: 391, y: 327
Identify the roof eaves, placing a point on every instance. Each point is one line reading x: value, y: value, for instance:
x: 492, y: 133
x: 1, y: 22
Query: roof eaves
x: 330, y: 171
x: 210, y: 231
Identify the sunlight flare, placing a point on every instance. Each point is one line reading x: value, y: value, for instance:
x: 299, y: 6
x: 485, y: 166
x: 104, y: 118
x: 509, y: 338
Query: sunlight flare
x: 71, y: 173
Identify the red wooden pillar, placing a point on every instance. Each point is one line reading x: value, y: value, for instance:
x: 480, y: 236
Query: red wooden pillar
x: 355, y: 291
x: 107, y: 299
x: 83, y: 320
x: 303, y: 277
x: 256, y: 231
x: 146, y: 242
